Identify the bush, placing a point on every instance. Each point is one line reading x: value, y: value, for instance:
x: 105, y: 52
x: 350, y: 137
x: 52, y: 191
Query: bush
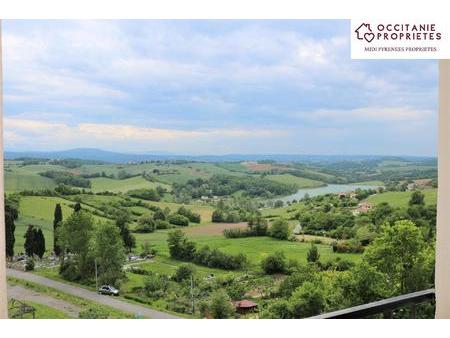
x: 155, y: 285
x: 215, y: 258
x: 147, y: 250
x: 69, y: 271
x: 178, y: 219
x: 347, y: 247
x: 29, y: 265
x: 313, y: 254
x: 274, y: 263
x: 236, y: 290
x: 180, y: 247
x: 218, y: 216
x: 145, y: 194
x: 161, y: 224
x: 191, y: 216
x: 220, y: 306
x: 184, y: 272
x: 279, y: 229
x: 146, y: 224
x: 237, y: 233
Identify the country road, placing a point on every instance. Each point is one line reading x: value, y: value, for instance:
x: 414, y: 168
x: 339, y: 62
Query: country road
x: 92, y: 296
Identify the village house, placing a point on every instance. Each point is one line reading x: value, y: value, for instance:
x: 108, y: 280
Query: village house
x: 362, y: 208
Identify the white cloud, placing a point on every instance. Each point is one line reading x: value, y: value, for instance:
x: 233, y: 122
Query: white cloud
x: 32, y: 133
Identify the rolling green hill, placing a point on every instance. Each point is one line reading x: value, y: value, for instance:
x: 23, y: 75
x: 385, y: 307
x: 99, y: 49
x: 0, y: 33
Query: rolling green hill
x: 401, y: 198
x: 108, y: 184
x: 19, y: 181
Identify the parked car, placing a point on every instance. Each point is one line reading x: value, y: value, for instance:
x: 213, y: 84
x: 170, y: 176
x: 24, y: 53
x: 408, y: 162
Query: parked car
x: 108, y: 290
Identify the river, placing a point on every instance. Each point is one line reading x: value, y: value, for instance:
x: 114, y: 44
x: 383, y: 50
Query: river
x: 328, y: 189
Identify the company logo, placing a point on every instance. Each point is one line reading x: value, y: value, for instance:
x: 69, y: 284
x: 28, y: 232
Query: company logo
x: 364, y: 32
x: 400, y: 39
x: 398, y: 32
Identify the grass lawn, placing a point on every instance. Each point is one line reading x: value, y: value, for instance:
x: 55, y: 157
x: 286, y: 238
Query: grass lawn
x: 43, y: 312
x: 256, y: 248
x: 401, y: 198
x: 299, y: 182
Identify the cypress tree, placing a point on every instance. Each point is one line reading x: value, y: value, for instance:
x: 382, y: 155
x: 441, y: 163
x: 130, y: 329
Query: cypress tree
x: 58, y: 217
x: 77, y: 207
x: 9, y: 230
x: 29, y: 241
x: 39, y: 243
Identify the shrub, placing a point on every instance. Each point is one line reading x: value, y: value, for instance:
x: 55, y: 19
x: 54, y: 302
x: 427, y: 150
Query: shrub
x: 347, y: 247
x: 180, y: 247
x: 236, y: 233
x: 184, y: 272
x: 236, y: 290
x: 215, y: 258
x: 191, y: 216
x: 145, y: 194
x: 155, y: 285
x: 307, y: 300
x: 69, y: 270
x: 147, y: 250
x: 162, y: 224
x: 218, y: 216
x: 29, y: 265
x: 220, y: 306
x: 274, y: 263
x: 313, y: 254
x: 146, y: 224
x: 178, y: 219
x: 279, y: 229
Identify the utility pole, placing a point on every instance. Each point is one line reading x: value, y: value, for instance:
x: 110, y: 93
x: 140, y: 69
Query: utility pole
x: 96, y: 275
x: 192, y: 294
x: 3, y: 295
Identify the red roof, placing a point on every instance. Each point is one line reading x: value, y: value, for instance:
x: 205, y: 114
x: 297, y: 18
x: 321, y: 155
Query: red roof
x: 245, y: 304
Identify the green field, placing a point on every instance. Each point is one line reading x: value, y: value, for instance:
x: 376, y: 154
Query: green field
x: 19, y: 180
x: 256, y: 248
x: 299, y: 182
x: 38, y: 211
x: 401, y: 198
x: 114, y: 185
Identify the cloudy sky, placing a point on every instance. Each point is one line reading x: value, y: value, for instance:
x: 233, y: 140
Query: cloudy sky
x: 211, y: 87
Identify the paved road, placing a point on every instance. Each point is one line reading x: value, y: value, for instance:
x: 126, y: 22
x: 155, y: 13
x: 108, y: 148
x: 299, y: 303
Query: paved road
x: 27, y: 295
x: 90, y: 295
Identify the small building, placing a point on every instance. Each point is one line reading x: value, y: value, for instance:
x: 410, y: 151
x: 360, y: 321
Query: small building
x: 245, y: 306
x: 362, y: 208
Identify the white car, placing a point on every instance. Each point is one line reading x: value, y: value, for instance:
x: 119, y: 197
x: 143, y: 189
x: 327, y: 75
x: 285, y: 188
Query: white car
x: 108, y: 290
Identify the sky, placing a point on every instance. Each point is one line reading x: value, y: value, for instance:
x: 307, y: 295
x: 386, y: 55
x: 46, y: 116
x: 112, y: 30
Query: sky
x: 211, y: 87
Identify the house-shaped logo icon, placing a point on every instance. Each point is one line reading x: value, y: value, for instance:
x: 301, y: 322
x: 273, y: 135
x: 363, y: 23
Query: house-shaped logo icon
x: 364, y: 32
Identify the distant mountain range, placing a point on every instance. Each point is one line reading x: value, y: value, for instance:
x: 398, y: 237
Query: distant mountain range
x: 115, y: 157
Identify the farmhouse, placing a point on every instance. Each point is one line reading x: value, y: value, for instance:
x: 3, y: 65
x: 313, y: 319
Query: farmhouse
x: 362, y: 208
